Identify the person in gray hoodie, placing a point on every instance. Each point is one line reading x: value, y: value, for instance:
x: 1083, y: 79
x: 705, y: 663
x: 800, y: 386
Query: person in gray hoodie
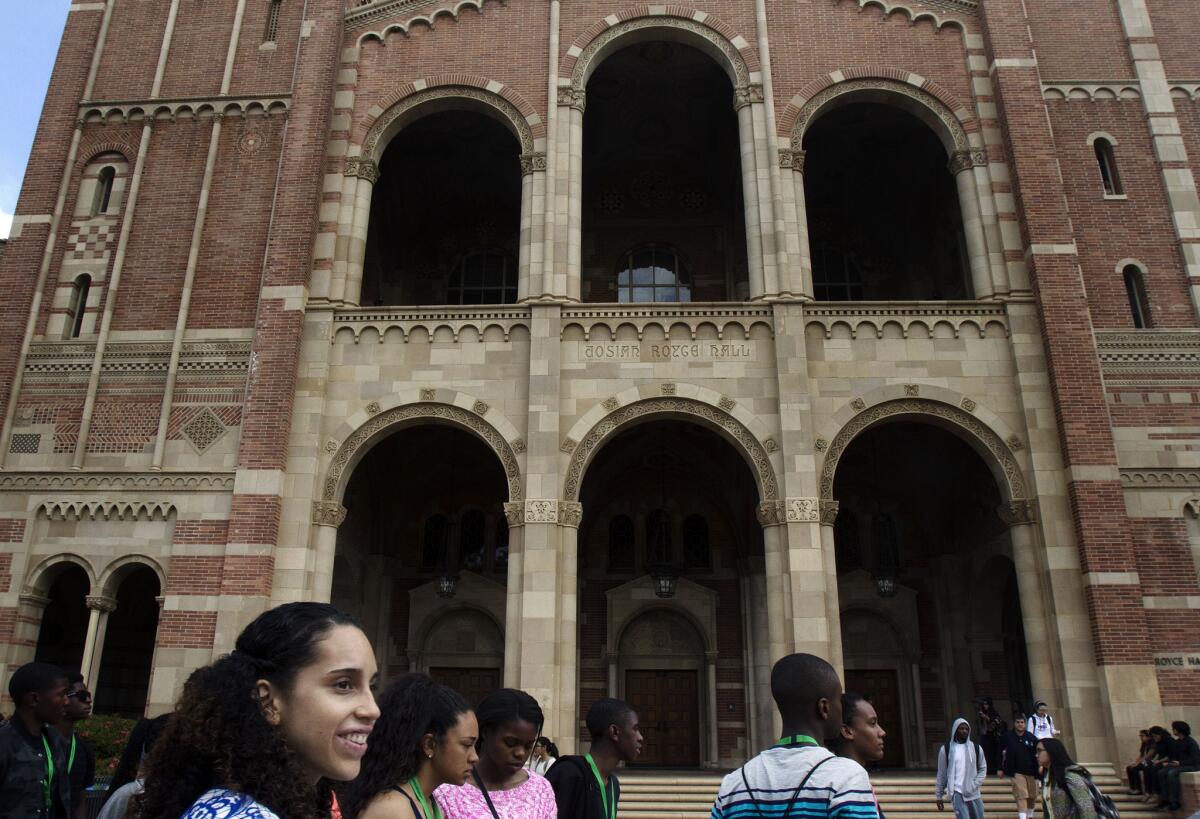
x: 961, y: 771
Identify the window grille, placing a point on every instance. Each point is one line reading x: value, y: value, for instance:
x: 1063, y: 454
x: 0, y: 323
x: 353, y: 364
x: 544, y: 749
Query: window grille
x: 654, y: 273
x: 272, y: 21
x: 484, y: 277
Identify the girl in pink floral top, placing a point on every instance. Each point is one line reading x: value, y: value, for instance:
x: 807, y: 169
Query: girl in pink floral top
x: 501, y: 787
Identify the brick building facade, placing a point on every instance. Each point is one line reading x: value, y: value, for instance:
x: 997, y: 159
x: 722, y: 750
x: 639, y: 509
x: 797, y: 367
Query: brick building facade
x: 869, y: 328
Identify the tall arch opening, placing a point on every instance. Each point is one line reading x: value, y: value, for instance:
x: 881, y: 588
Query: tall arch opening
x: 445, y: 214
x: 422, y: 556
x: 668, y: 498
x: 663, y: 216
x: 884, y: 218
x: 931, y: 615
x: 128, y: 654
x: 65, y: 618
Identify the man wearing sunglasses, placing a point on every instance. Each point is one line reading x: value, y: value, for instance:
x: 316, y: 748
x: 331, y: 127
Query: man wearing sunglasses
x: 81, y: 758
x: 33, y: 757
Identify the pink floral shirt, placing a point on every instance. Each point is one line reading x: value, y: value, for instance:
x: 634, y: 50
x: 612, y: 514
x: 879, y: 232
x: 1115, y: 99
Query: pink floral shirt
x: 532, y: 799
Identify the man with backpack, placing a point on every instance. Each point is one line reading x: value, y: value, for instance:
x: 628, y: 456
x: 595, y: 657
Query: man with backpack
x: 1018, y: 761
x: 586, y: 787
x: 798, y: 777
x: 962, y: 768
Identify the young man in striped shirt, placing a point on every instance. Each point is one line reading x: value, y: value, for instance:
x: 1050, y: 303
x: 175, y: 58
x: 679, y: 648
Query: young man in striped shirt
x: 798, y: 778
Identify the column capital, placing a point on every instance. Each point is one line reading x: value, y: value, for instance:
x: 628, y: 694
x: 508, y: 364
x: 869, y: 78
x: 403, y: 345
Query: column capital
x: 793, y: 159
x: 514, y: 513
x: 363, y: 168
x: 32, y: 598
x: 572, y: 97
x: 803, y: 510
x: 771, y: 513
x: 531, y: 162
x: 743, y: 95
x: 100, y: 603
x: 711, y: 657
x: 966, y: 160
x: 1018, y: 512
x: 570, y: 513
x: 829, y: 512
x: 328, y: 513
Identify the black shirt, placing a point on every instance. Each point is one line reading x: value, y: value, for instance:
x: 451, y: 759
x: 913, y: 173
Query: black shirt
x: 1020, y: 754
x: 1187, y: 751
x: 82, y: 771
x: 576, y: 791
x: 23, y: 769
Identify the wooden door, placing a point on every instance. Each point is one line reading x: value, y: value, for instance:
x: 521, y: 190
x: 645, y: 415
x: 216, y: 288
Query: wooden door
x: 473, y: 683
x: 882, y: 688
x: 668, y: 707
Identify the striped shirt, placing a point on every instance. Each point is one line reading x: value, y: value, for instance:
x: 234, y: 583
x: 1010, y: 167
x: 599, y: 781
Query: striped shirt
x: 839, y: 789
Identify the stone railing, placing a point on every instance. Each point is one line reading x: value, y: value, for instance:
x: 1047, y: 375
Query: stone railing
x: 906, y: 318
x: 442, y: 323
x: 719, y: 320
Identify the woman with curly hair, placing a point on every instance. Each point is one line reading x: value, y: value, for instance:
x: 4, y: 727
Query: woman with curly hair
x: 425, y: 738
x: 501, y: 787
x: 259, y: 733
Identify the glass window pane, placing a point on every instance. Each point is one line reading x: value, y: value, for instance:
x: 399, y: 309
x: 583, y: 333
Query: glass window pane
x: 624, y: 295
x: 643, y: 294
x: 685, y: 294
x: 663, y: 276
x: 623, y: 278
x: 643, y: 275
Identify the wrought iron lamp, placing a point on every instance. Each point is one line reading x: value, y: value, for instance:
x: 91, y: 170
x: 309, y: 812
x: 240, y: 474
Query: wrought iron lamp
x: 447, y: 585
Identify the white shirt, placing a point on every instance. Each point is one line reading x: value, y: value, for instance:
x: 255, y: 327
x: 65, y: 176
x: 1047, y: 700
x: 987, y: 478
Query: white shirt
x: 1041, y: 727
x: 958, y: 767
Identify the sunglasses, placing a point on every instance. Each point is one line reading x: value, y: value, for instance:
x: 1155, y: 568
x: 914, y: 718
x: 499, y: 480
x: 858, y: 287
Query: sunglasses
x: 82, y: 696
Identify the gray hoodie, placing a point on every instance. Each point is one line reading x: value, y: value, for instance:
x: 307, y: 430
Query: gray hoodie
x: 974, y: 771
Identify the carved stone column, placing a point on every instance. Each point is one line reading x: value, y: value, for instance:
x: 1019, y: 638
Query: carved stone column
x: 514, y: 515
x: 99, y: 608
x: 833, y: 608
x: 714, y: 746
x: 327, y: 516
x: 742, y: 97
x: 533, y: 186
x: 962, y: 166
x: 367, y: 173
x: 771, y: 517
x: 798, y: 278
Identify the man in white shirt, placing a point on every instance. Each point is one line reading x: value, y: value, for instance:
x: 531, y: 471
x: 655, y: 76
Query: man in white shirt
x: 1041, y: 724
x: 961, y: 771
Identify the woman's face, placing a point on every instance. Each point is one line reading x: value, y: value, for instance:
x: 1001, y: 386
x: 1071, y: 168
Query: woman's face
x: 508, y: 746
x: 865, y: 733
x: 329, y: 711
x: 455, y: 755
x: 1043, y: 756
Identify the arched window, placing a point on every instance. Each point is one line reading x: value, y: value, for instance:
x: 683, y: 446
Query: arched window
x: 620, y: 544
x: 470, y: 540
x: 79, y: 297
x: 653, y: 273
x: 104, y: 186
x: 658, y: 537
x: 433, y: 542
x: 272, y: 29
x: 1107, y: 161
x: 697, y: 554
x: 484, y: 277
x: 836, y: 276
x: 1135, y: 289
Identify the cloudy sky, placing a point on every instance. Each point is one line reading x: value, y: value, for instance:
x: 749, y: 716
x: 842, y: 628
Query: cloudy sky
x: 28, y: 44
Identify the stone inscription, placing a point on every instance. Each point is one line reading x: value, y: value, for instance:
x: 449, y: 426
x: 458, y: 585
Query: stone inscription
x: 1191, y: 662
x: 669, y: 351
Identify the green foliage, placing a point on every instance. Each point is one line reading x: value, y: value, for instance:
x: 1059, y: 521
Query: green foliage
x: 108, y: 736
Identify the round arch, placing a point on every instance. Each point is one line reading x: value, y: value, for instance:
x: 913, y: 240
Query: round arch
x: 447, y: 97
x: 42, y: 575
x: 385, y: 422
x: 714, y: 417
x: 447, y: 611
x: 115, y: 572
x: 881, y: 617
x: 712, y: 36
x: 706, y: 641
x: 980, y: 437
x: 938, y: 114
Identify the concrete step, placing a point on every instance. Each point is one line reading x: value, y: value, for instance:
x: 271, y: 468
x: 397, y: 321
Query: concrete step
x: 648, y: 794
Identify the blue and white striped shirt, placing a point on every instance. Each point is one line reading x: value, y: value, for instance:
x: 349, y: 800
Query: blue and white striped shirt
x: 839, y: 789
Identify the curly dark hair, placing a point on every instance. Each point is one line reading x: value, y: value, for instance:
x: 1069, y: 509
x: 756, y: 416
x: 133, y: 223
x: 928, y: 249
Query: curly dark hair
x: 219, y: 736
x: 505, y: 706
x: 410, y: 707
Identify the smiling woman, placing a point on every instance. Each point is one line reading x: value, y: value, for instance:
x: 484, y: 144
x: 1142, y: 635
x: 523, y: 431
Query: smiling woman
x: 259, y: 733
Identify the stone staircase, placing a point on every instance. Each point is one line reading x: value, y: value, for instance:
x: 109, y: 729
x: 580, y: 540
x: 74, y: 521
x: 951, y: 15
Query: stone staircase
x: 648, y: 794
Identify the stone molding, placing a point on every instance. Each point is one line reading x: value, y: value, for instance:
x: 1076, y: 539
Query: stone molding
x: 514, y: 513
x: 530, y: 163
x: 829, y: 511
x: 970, y: 7
x: 1013, y: 483
x: 107, y: 510
x: 771, y: 513
x: 803, y: 510
x: 1160, y: 478
x: 572, y: 97
x: 962, y: 317
x: 1092, y: 91
x: 666, y: 405
x: 366, y: 12
x: 966, y: 160
x: 122, y: 481
x: 719, y: 315
x: 73, y: 359
x: 361, y: 439
x: 407, y: 320
x: 748, y: 94
x: 1018, y: 512
x: 362, y: 168
x: 105, y: 111
x: 868, y: 86
x: 570, y: 513
x: 371, y: 148
x: 34, y: 599
x: 100, y: 603
x: 792, y: 158
x: 328, y: 513
x: 1123, y: 352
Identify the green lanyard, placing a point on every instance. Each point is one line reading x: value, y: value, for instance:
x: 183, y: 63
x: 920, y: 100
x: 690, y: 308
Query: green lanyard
x: 797, y: 739
x: 71, y: 758
x: 48, y: 782
x: 436, y: 812
x: 610, y: 812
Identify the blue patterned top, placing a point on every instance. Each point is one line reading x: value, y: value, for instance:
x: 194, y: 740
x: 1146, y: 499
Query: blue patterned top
x: 220, y: 803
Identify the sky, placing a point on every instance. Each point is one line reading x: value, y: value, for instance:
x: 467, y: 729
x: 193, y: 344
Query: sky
x: 28, y: 45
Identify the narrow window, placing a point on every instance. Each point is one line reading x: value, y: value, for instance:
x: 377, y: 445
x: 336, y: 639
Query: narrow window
x: 79, y: 297
x: 483, y: 278
x: 272, y: 21
x: 658, y: 538
x: 104, y: 186
x: 653, y: 273
x: 1139, y: 305
x: 1107, y: 161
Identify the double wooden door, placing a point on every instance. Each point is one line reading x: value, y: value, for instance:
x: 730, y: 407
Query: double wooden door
x: 882, y: 688
x: 668, y: 708
x: 473, y: 683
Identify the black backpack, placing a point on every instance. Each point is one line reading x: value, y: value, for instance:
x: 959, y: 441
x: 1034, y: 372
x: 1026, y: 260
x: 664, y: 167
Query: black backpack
x: 1104, y: 806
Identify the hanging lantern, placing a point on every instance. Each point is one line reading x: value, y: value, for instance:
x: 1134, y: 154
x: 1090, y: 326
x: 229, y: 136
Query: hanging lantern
x: 887, y: 555
x: 886, y: 585
x: 447, y: 585
x: 665, y: 577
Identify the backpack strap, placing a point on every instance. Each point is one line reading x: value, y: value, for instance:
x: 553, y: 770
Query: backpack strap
x: 795, y: 795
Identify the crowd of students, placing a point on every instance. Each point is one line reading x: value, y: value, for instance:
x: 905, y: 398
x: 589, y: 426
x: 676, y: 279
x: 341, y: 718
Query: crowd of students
x: 1162, y: 759
x: 288, y: 726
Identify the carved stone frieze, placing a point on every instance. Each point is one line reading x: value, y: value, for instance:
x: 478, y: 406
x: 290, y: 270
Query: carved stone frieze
x: 876, y: 84
x: 100, y: 603
x: 829, y: 512
x: 362, y: 436
x: 1149, y: 352
x: 803, y: 510
x: 373, y: 408
x: 568, y: 445
x: 668, y: 388
x: 514, y: 513
x: 747, y: 94
x: 106, y: 509
x: 541, y: 510
x: 792, y: 159
x: 1018, y: 512
x: 676, y: 406
x: 572, y: 97
x: 363, y: 168
x: 969, y: 424
x: 123, y: 481
x: 1160, y: 478
x: 820, y: 444
x: 771, y: 513
x: 741, y: 73
x: 770, y: 446
x: 611, y: 404
x: 726, y: 403
x: 328, y: 513
x: 1014, y: 443
x: 535, y: 161
x: 384, y: 124
x: 966, y: 160
x: 518, y: 445
x: 429, y: 394
x: 858, y: 405
x: 570, y: 513
x: 912, y: 390
x: 968, y: 404
x: 481, y: 408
